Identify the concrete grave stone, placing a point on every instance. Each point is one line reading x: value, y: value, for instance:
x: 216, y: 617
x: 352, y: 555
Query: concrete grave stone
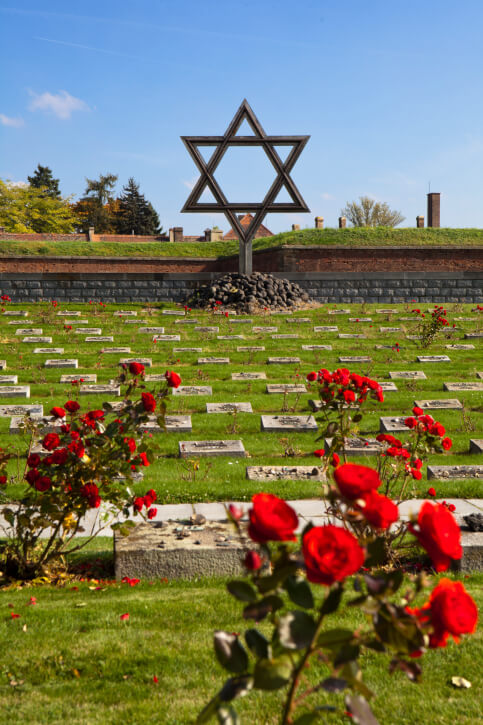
x: 285, y: 388
x: 460, y: 347
x: 166, y: 338
x: 282, y: 423
x: 29, y: 331
x: 66, y: 363
x: 146, y: 361
x: 229, y: 407
x: 174, y: 313
x: 283, y: 360
x: 72, y: 323
x: 357, y: 446
x: 360, y: 319
x: 408, y: 374
x: 387, y: 312
x: 339, y: 312
x: 286, y: 336
x: 409, y: 319
x: 472, y: 335
x: 298, y: 321
x: 248, y: 376
x: 388, y: 424
x: 132, y: 321
x: 445, y: 472
x: 174, y: 424
x: 16, y: 313
x: 69, y: 313
x: 387, y: 347
x: 316, y: 347
x: 390, y: 329
x: 3, y: 364
x: 152, y: 330
x: 285, y: 473
x: 355, y: 359
x: 187, y: 349
x: 49, y: 350
x: 245, y: 321
x: 414, y: 337
x: 465, y: 319
x: 230, y: 337
x: 351, y: 336
x: 37, y: 339
x: 7, y: 411
x: 8, y: 379
x: 125, y: 313
x: 191, y: 321
x: 207, y: 329
x: 476, y: 445
x: 88, y: 331
x: 47, y: 424
x: 251, y: 348
x: 433, y: 358
x: 100, y: 390
x: 478, y: 375
x: 192, y: 390
x: 266, y: 330
x: 112, y: 350
x: 205, y: 449
x: 326, y: 328
x: 99, y: 338
x: 86, y: 378
x: 14, y: 391
x: 459, y: 387
x: 213, y: 360
x: 388, y: 387
x: 444, y: 404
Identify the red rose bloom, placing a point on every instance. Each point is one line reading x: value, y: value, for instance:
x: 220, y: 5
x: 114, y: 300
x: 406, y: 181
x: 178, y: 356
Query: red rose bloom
x: 77, y: 448
x: 450, y: 611
x: 349, y: 396
x: 131, y: 444
x: 32, y: 475
x: 320, y: 453
x: 150, y: 497
x: 252, y: 561
x: 437, y: 429
x: 91, y: 493
x: 174, y: 380
x: 271, y: 519
x: 416, y: 474
x: 379, y: 510
x: 60, y: 456
x: 144, y: 459
x: 43, y: 483
x: 311, y: 377
x: 149, y: 402
x: 431, y: 491
x: 447, y: 443
x: 138, y: 503
x: 72, y: 406
x: 331, y: 554
x: 33, y: 460
x: 58, y: 412
x: 3, y: 480
x: 438, y: 532
x: 410, y: 422
x: 51, y: 441
x: 95, y: 415
x: 136, y: 368
x: 354, y: 481
x: 152, y: 513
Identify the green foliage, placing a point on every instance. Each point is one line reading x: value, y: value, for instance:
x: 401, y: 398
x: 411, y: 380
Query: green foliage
x: 371, y: 213
x: 31, y: 209
x: 42, y: 179
x: 135, y: 215
x: 97, y: 208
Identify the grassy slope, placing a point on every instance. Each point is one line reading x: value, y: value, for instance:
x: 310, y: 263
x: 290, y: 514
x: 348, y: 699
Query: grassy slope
x: 327, y: 237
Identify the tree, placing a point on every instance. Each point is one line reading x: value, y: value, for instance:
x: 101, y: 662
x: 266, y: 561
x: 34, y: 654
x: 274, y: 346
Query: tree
x: 371, y: 213
x: 30, y: 209
x: 42, y: 179
x: 95, y: 207
x: 136, y: 215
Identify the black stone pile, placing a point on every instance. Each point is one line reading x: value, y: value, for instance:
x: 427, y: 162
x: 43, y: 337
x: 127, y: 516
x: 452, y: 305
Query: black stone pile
x: 250, y: 293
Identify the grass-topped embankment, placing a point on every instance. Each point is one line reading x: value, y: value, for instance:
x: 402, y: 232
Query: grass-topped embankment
x: 353, y: 237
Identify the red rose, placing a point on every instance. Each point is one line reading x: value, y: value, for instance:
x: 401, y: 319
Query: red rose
x: 58, y: 412
x: 354, y: 480
x: 416, y: 474
x: 150, y: 497
x: 173, y: 379
x: 51, y: 441
x: 252, y: 561
x: 438, y: 532
x: 450, y: 611
x: 72, y: 406
x: 379, y: 510
x: 311, y: 377
x: 138, y: 503
x: 136, y: 368
x: 91, y: 492
x: 418, y: 411
x: 349, y: 396
x: 410, y: 422
x: 149, y: 402
x: 271, y: 519
x: 77, y: 448
x: 3, y: 480
x: 446, y: 443
x: 431, y: 491
x: 43, y: 483
x: 235, y: 512
x: 95, y: 415
x: 32, y: 476
x: 152, y: 513
x: 320, y: 453
x: 144, y: 459
x: 131, y: 444
x: 331, y: 554
x: 335, y: 460
x: 33, y: 460
x: 60, y: 456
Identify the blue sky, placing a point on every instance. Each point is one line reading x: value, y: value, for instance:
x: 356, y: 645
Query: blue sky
x: 389, y: 90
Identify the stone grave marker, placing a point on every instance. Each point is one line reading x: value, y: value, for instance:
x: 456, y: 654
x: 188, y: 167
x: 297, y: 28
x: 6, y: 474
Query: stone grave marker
x: 248, y: 376
x: 285, y: 473
x: 191, y: 321
x: 157, y: 378
x: 72, y: 323
x: 213, y: 360
x: 409, y: 319
x: 88, y: 331
x: 465, y: 319
x: 360, y: 319
x: 408, y: 374
x: 174, y: 313
x: 166, y: 338
x: 351, y: 336
x: 447, y: 403
x: 100, y: 338
x: 326, y: 328
x: 49, y: 350
x: 433, y: 358
x: 3, y: 364
x: 129, y: 321
x: 112, y: 350
x: 67, y: 363
x: 316, y: 347
x: 29, y: 331
x: 7, y: 411
x: 339, y: 312
x: 125, y: 313
x: 9, y: 379
x: 251, y: 348
x: 390, y: 329
x: 37, y: 339
x: 283, y: 360
x: 152, y: 330
x: 388, y: 424
x: 206, y: 449
x: 146, y: 361
x: 355, y: 359
x: 358, y: 446
x: 472, y: 335
x: 388, y: 387
x: 230, y: 337
x: 298, y: 321
x: 285, y: 388
x: 443, y: 472
x: 16, y: 313
x: 245, y: 321
x: 460, y: 347
x: 187, y: 349
x: 14, y: 391
x: 229, y: 407
x: 174, y: 424
x: 414, y: 337
x: 459, y: 387
x: 69, y: 313
x: 266, y: 330
x: 386, y: 312
x: 86, y: 378
x: 285, y: 336
x: 48, y: 424
x: 192, y: 390
x: 100, y: 389
x: 387, y: 347
x: 207, y: 329
x: 476, y: 445
x: 283, y: 423
x: 478, y: 375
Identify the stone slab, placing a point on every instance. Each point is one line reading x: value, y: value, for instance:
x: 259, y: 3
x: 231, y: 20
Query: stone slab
x: 285, y: 473
x: 351, y: 336
x: 47, y: 424
x: 298, y: 320
x: 339, y: 312
x: 433, y: 358
x: 14, y: 391
x: 69, y: 313
x: 476, y: 445
x: 29, y: 331
x: 125, y: 313
x: 460, y: 347
x: 67, y: 363
x: 207, y: 329
x: 386, y: 312
x: 3, y: 364
x: 244, y: 321
x: 114, y: 350
x: 360, y: 319
x: 229, y: 407
x: 248, y: 376
x: 326, y: 328
x: 86, y: 378
x: 174, y: 551
x: 230, y: 337
x: 284, y: 388
x: 250, y: 348
x: 174, y: 424
x: 388, y: 347
x: 316, y: 347
x: 166, y: 338
x: 146, y: 361
x: 390, y: 329
x: 283, y: 360
x: 49, y: 350
x: 287, y: 336
x: 88, y: 331
x: 192, y: 390
x: 388, y: 387
x: 472, y: 559
x: 100, y: 390
x: 268, y: 330
x: 213, y: 360
x: 191, y: 321
x: 210, y: 449
x: 16, y: 313
x: 443, y: 404
x: 6, y: 411
x: 99, y: 338
x: 388, y: 424
x: 187, y: 349
x: 37, y: 339
x: 72, y: 323
x: 445, y: 472
x: 152, y: 330
x: 460, y: 387
x: 174, y: 313
x: 8, y: 379
x: 472, y: 335
x: 355, y: 359
x: 358, y: 446
x: 408, y: 375
x: 283, y: 423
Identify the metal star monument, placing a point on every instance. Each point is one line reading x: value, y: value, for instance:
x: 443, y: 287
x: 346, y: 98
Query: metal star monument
x: 221, y: 204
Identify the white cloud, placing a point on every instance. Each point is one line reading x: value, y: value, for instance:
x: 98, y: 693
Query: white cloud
x: 13, y: 122
x: 190, y: 183
x: 327, y: 197
x: 61, y: 104
x: 20, y: 184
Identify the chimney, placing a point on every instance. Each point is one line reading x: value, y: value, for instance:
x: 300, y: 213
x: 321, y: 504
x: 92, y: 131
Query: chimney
x: 420, y: 222
x: 208, y: 235
x: 295, y: 227
x: 319, y: 222
x: 177, y: 234
x: 342, y: 222
x: 90, y: 234
x: 434, y: 209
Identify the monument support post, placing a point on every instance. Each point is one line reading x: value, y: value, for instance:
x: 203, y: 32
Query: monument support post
x: 245, y: 260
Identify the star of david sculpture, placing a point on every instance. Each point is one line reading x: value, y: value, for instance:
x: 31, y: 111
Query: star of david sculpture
x: 221, y: 204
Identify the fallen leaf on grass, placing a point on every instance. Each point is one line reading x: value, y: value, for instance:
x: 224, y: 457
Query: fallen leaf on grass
x: 460, y: 682
x: 124, y: 617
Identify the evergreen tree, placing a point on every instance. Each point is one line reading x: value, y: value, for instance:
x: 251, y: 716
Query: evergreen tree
x: 136, y: 215
x: 95, y: 209
x: 42, y: 179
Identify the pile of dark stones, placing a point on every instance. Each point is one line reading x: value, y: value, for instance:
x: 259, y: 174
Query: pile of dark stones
x: 250, y: 293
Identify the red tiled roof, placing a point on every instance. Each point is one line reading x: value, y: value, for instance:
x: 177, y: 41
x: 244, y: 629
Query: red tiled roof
x: 245, y: 220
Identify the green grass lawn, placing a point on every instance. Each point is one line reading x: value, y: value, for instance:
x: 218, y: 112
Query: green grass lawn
x: 365, y: 237
x: 221, y: 479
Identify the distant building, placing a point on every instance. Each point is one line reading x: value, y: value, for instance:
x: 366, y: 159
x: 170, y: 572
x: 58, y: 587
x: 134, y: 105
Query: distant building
x: 245, y: 220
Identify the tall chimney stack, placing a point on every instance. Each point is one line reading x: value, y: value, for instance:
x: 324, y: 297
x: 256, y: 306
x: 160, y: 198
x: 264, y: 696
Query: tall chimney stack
x: 434, y: 209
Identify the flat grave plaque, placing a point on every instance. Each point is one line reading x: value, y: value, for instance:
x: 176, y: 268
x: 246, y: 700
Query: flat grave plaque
x: 387, y: 347
x: 205, y: 449
x: 166, y: 338
x: 207, y: 329
x: 250, y: 348
x: 67, y: 363
x: 388, y: 387
x: 14, y: 391
x: 174, y: 424
x: 49, y: 350
x: 37, y: 339
x: 459, y: 387
x: 152, y: 330
x: 29, y: 331
x: 99, y: 389
x: 318, y: 405
x: 265, y: 329
x: 48, y: 424
x: 100, y: 338
x: 285, y: 473
x: 409, y: 319
x: 191, y: 321
x: 125, y: 313
x: 174, y: 313
x: 249, y: 376
x: 298, y: 320
x: 16, y: 313
x: 187, y: 349
x: 69, y: 313
x: 386, y: 312
x: 285, y: 388
x: 360, y: 319
x: 129, y: 321
x: 3, y: 364
x: 447, y: 403
x: 7, y: 411
x: 476, y: 445
x: 326, y: 328
x: 112, y: 350
x: 9, y: 379
x: 442, y: 472
x: 472, y: 335
x: 230, y: 337
x: 433, y: 358
x: 465, y: 319
x: 283, y: 360
x: 339, y: 312
x: 414, y: 337
x: 351, y: 336
x: 460, y: 347
x: 285, y: 336
x: 316, y: 347
x: 88, y: 331
x: 408, y: 374
x: 76, y: 322
x: 86, y: 378
x: 358, y: 446
x: 192, y: 390
x: 229, y: 407
x: 213, y: 360
x: 390, y: 329
x: 281, y: 423
x: 245, y: 321
x: 355, y: 359
x: 478, y: 375
x: 388, y: 424
x: 146, y: 361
